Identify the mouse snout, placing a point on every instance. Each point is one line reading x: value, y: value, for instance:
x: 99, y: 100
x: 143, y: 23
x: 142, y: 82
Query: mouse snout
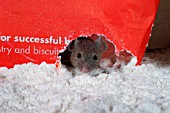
x: 85, y: 69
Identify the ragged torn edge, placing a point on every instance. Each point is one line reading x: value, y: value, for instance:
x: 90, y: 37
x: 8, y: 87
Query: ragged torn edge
x: 132, y: 62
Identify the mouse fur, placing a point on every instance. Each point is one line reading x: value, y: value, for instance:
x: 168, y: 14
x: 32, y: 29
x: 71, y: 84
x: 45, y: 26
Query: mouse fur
x: 84, y: 53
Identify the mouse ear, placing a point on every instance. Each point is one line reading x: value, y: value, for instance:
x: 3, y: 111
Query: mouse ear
x: 101, y: 42
x: 94, y: 36
x: 72, y: 45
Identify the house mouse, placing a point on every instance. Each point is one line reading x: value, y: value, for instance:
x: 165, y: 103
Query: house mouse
x: 92, y: 52
x: 85, y: 53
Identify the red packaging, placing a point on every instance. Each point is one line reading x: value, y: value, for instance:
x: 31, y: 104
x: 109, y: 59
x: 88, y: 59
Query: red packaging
x: 36, y: 30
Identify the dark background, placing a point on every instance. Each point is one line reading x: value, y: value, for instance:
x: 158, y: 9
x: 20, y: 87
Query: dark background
x: 160, y: 37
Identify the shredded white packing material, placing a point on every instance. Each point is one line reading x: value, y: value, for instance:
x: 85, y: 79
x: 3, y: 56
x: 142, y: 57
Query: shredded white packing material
x: 31, y: 88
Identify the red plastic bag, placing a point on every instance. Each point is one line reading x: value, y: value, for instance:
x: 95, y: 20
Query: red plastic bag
x: 36, y: 30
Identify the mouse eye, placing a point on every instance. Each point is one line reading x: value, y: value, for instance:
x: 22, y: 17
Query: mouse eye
x: 79, y: 55
x: 94, y: 57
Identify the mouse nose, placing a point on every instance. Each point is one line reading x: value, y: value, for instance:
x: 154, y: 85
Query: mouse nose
x: 85, y: 70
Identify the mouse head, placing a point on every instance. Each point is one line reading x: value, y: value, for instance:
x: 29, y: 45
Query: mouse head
x: 86, y: 53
